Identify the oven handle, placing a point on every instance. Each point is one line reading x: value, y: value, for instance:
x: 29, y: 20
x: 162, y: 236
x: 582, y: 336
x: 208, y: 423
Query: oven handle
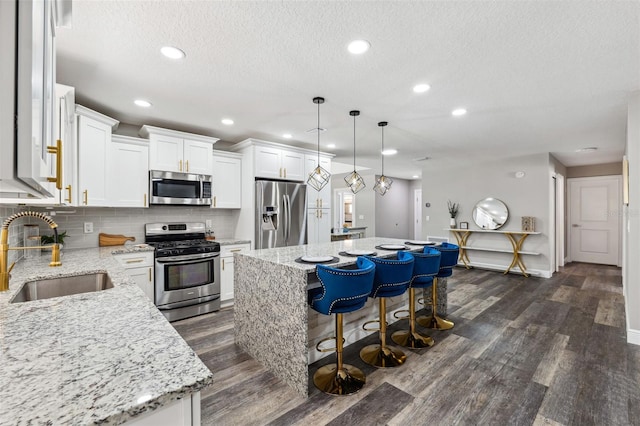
x: 183, y: 259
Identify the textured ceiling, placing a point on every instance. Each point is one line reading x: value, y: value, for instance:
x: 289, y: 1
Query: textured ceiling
x: 534, y: 76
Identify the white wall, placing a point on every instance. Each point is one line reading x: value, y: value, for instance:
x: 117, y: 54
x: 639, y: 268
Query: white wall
x: 394, y: 211
x: 631, y: 224
x: 527, y: 196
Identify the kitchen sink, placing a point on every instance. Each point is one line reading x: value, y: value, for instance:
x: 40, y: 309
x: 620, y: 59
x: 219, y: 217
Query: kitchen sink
x: 64, y: 286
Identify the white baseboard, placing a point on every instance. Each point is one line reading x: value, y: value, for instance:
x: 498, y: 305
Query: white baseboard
x: 226, y: 303
x: 515, y: 270
x: 633, y: 336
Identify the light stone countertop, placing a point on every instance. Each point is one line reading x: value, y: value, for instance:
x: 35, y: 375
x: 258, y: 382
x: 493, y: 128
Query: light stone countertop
x: 89, y: 358
x: 287, y: 255
x: 232, y: 241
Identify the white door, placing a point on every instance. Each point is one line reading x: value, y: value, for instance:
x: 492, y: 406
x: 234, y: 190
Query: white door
x: 165, y: 153
x: 227, y: 183
x: 293, y: 166
x: 226, y: 278
x: 93, y: 140
x: 128, y: 176
x: 267, y: 163
x: 417, y: 214
x: 144, y: 279
x: 198, y: 157
x: 594, y: 221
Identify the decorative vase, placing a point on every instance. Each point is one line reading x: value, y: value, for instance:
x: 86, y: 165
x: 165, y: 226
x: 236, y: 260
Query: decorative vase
x: 452, y: 223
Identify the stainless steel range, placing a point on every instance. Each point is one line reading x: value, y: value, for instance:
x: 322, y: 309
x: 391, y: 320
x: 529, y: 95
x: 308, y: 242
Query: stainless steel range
x: 187, y: 267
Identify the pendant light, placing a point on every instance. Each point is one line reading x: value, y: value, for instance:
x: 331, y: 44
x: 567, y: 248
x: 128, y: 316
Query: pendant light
x: 354, y: 180
x: 383, y: 184
x: 319, y: 177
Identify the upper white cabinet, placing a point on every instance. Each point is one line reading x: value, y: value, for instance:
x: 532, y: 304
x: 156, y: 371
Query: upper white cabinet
x: 227, y: 180
x: 94, y: 139
x: 278, y: 163
x: 174, y: 151
x: 270, y: 160
x: 128, y: 172
x: 28, y: 77
x: 65, y: 125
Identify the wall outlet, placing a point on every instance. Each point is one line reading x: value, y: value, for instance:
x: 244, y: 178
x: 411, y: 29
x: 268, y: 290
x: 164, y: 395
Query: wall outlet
x: 208, y: 223
x: 88, y: 227
x: 361, y: 217
x: 426, y: 218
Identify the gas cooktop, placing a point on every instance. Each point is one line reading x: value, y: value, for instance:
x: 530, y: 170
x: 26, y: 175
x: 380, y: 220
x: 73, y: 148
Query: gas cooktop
x: 176, y: 239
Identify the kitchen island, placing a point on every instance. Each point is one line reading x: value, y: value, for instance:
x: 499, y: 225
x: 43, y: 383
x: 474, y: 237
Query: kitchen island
x: 271, y: 312
x: 104, y: 357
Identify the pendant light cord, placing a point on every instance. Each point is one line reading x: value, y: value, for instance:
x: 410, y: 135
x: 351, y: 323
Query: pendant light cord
x: 354, y: 143
x: 382, y: 152
x: 318, y: 130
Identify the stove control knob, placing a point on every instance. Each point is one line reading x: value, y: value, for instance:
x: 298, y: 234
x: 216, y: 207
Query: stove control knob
x: 164, y: 227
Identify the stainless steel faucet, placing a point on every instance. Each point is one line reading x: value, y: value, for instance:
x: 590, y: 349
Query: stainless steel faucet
x: 5, y: 269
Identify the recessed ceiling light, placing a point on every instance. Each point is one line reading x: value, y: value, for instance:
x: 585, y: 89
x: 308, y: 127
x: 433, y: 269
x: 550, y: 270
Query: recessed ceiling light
x: 227, y: 121
x: 331, y: 145
x: 458, y: 112
x: 172, y: 52
x: 287, y: 136
x: 588, y: 149
x: 358, y: 47
x: 390, y: 152
x: 142, y: 103
x: 416, y: 176
x: 421, y: 88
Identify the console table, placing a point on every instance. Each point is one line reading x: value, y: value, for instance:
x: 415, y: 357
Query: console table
x: 516, y: 238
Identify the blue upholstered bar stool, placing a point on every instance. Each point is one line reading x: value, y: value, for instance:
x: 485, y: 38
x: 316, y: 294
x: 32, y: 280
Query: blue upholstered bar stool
x: 391, y: 279
x: 449, y: 259
x: 343, y: 290
x: 425, y: 267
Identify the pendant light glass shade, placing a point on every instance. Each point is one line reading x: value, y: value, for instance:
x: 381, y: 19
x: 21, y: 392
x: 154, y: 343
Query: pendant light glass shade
x: 354, y: 180
x: 319, y: 177
x: 383, y: 183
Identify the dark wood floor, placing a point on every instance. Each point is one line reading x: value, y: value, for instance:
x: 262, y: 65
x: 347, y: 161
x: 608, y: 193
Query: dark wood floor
x: 523, y: 351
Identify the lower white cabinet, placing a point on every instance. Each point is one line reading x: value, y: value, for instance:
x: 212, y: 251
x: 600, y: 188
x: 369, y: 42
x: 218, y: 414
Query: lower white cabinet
x: 318, y: 226
x: 183, y: 412
x: 226, y: 270
x: 139, y: 266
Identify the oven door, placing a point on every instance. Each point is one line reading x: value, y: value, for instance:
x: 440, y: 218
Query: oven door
x: 188, y: 277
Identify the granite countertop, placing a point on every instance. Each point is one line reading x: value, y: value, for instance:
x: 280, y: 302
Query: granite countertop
x: 232, y: 241
x: 287, y: 255
x: 100, y: 357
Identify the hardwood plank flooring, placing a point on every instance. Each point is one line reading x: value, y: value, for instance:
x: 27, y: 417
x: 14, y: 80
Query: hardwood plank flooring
x: 524, y: 351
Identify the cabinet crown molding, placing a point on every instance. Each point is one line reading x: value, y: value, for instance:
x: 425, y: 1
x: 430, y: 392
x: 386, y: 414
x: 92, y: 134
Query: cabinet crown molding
x: 146, y: 131
x: 227, y: 154
x: 94, y: 115
x: 259, y: 142
x: 130, y: 140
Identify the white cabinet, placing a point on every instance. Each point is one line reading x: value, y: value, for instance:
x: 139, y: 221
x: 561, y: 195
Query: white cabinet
x: 65, y: 124
x: 94, y: 138
x: 128, y: 173
x: 318, y: 226
x: 278, y: 163
x: 139, y: 266
x: 318, y: 199
x: 182, y: 412
x: 226, y: 270
x: 174, y: 151
x: 227, y: 180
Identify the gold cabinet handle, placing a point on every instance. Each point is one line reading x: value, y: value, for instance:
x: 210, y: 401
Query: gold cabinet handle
x: 320, y: 214
x: 280, y: 172
x: 180, y: 165
x: 144, y: 202
x: 223, y: 264
x: 214, y: 200
x: 134, y: 260
x: 149, y: 274
x: 68, y: 188
x: 57, y: 151
x: 285, y: 172
x: 86, y: 196
x: 235, y: 250
x: 187, y: 169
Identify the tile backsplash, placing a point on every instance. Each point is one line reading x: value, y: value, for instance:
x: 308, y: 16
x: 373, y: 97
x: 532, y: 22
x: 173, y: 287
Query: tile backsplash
x: 125, y: 221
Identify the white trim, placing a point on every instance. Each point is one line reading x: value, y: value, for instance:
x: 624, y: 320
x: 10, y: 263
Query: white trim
x: 146, y: 130
x: 258, y: 142
x: 227, y: 154
x: 130, y: 140
x: 633, y: 336
x: 94, y: 115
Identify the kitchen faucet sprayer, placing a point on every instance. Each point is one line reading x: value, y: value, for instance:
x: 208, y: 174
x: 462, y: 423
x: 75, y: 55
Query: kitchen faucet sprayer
x: 5, y: 269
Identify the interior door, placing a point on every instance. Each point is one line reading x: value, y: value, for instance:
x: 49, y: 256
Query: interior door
x: 417, y: 214
x: 594, y: 220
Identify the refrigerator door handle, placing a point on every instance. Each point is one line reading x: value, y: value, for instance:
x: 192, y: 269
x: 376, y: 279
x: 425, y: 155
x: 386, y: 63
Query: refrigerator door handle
x: 285, y: 214
x: 288, y: 217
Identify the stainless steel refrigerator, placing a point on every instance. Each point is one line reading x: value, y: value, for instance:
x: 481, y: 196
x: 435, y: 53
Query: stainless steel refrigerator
x: 281, y: 216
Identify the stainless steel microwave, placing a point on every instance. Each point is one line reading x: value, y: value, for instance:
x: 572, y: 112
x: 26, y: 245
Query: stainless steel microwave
x: 179, y: 188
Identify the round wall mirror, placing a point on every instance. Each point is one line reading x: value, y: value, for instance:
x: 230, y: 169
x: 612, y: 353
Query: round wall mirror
x: 490, y: 213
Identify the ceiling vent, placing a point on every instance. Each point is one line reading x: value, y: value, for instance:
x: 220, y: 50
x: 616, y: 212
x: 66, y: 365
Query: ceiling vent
x: 315, y: 130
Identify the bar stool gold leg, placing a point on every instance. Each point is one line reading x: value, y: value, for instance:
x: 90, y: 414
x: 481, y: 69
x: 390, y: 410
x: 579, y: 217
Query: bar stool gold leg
x: 381, y: 355
x: 411, y: 338
x: 339, y: 378
x: 434, y: 321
